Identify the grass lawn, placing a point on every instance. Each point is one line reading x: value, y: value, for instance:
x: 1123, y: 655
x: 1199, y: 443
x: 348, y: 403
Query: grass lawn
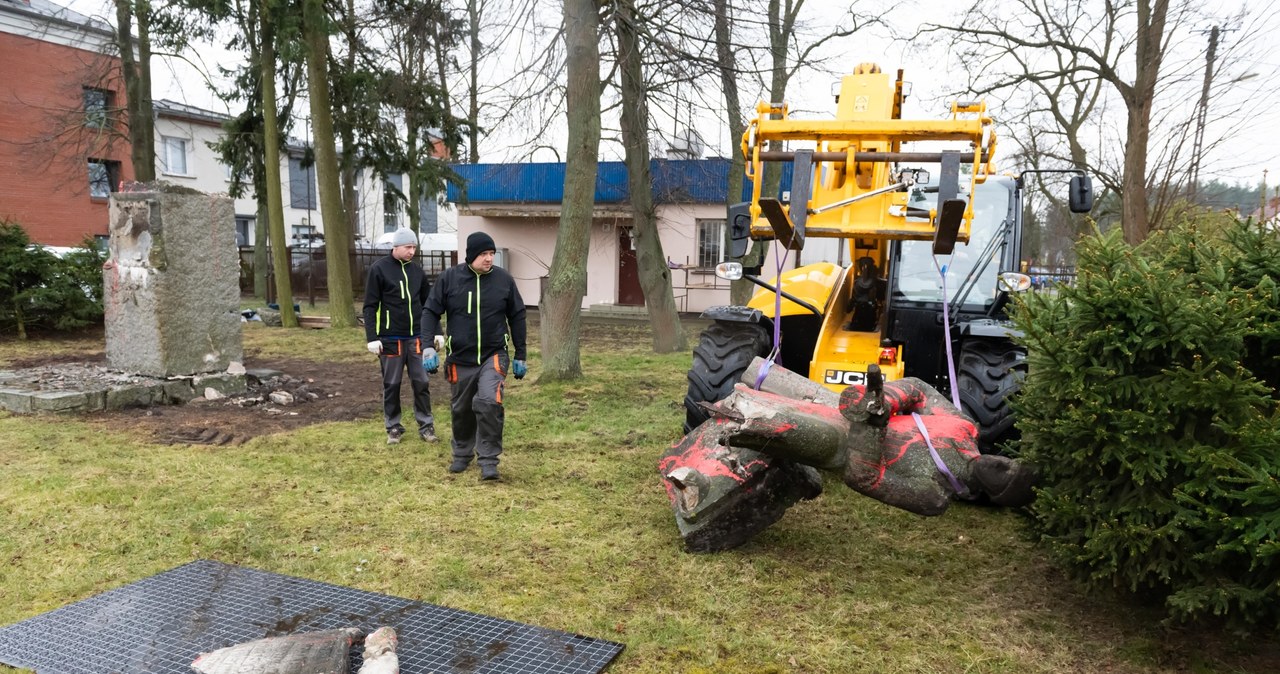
x: 579, y: 536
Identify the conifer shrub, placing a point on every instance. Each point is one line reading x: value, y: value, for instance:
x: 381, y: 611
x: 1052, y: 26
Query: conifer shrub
x: 1150, y: 409
x: 39, y: 290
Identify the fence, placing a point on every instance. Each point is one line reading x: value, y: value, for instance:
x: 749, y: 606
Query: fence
x: 1048, y: 277
x: 309, y: 272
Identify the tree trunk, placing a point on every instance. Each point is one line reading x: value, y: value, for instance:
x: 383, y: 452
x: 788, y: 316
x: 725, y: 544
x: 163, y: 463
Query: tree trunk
x: 726, y: 59
x: 271, y: 146
x: 1148, y: 55
x: 20, y: 319
x: 415, y: 189
x: 136, y: 69
x: 347, y: 161
x: 260, y: 250
x: 473, y: 87
x: 655, y: 275
x: 337, y: 232
x: 562, y: 304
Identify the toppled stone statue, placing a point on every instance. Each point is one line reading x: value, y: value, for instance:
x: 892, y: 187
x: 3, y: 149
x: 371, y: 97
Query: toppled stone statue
x: 899, y: 442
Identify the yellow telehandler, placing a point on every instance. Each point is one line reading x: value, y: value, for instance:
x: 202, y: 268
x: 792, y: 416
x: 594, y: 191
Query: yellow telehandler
x: 902, y: 194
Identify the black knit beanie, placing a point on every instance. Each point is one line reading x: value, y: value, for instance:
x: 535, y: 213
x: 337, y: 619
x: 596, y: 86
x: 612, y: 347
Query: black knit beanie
x: 478, y: 242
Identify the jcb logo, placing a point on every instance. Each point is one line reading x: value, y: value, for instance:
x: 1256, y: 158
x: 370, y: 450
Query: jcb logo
x: 846, y: 377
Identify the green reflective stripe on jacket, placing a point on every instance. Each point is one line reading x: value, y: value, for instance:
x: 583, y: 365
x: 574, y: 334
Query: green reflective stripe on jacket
x: 404, y: 293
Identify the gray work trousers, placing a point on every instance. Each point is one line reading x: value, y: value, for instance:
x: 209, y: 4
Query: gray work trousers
x: 397, y: 356
x: 477, y: 409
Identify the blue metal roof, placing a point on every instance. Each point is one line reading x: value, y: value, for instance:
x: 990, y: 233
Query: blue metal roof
x: 685, y: 181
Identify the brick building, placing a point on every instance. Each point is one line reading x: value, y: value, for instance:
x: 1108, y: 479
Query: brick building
x: 63, y: 143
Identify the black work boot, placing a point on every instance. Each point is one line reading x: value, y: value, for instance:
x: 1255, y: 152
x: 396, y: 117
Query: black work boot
x: 489, y: 473
x: 459, y: 465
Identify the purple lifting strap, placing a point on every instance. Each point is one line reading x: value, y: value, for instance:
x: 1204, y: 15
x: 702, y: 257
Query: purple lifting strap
x: 946, y: 326
x: 937, y: 460
x: 777, y: 316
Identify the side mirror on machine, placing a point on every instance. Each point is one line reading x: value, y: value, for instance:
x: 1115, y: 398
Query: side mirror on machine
x: 739, y: 229
x: 729, y: 271
x: 1013, y: 282
x: 1080, y: 194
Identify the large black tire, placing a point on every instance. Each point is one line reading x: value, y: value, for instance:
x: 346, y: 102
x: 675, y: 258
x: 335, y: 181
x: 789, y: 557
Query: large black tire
x: 989, y: 374
x: 723, y: 352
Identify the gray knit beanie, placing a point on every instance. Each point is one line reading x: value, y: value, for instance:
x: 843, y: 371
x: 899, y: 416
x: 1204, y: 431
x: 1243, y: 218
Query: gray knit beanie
x: 404, y: 237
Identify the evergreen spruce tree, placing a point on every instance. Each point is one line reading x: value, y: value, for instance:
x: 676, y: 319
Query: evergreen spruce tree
x: 1150, y: 408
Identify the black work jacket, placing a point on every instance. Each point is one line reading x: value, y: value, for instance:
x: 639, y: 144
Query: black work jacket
x: 484, y: 311
x: 394, y: 295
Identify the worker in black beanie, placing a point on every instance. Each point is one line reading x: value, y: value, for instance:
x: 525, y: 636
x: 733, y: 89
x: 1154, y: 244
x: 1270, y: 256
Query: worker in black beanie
x: 485, y: 320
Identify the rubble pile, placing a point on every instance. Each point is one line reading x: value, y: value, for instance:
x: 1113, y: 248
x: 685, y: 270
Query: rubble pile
x: 272, y: 389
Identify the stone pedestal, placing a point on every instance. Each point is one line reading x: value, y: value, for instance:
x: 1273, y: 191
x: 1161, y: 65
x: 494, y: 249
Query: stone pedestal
x: 171, y: 286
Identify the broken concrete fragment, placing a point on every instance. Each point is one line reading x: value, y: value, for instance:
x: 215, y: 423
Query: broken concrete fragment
x: 178, y: 391
x: 224, y: 383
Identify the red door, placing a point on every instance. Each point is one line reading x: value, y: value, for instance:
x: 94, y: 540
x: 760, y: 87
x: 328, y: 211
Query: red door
x: 629, y: 291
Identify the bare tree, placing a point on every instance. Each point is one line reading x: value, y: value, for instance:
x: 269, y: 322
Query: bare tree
x: 1069, y: 63
x: 567, y: 285
x: 655, y: 275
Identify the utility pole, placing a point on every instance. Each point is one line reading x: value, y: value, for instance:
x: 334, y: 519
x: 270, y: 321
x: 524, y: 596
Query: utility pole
x: 1202, y: 116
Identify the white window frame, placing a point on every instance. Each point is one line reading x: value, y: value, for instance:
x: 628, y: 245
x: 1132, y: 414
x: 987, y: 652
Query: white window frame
x: 716, y: 227
x: 175, y: 155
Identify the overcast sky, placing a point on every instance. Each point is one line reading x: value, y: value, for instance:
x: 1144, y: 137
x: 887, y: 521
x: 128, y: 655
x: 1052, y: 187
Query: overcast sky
x: 1252, y: 148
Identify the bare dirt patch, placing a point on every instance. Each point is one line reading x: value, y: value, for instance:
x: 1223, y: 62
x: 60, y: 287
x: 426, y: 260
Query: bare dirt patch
x: 344, y: 392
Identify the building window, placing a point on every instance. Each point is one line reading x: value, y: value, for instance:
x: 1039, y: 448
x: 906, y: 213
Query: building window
x: 174, y: 155
x: 244, y: 230
x: 96, y: 106
x: 305, y: 234
x: 710, y: 243
x: 391, y: 192
x: 302, y: 181
x: 103, y: 175
x: 428, y: 216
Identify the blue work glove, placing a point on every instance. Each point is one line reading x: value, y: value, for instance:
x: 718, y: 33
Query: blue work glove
x: 430, y: 360
x: 519, y: 369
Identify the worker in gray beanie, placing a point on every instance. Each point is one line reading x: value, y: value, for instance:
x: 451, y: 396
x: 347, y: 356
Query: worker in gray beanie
x: 394, y: 295
x: 485, y: 320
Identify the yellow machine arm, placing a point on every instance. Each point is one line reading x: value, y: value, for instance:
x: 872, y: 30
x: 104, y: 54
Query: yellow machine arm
x: 847, y: 188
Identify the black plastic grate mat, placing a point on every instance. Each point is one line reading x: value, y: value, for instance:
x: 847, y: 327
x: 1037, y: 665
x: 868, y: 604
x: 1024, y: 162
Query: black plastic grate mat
x: 160, y: 624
